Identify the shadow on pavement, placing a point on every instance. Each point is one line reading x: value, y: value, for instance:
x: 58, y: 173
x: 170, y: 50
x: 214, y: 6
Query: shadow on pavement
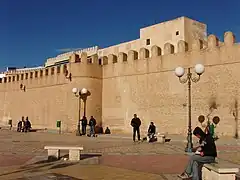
x: 50, y: 176
x: 23, y: 169
x: 87, y: 156
x: 63, y: 165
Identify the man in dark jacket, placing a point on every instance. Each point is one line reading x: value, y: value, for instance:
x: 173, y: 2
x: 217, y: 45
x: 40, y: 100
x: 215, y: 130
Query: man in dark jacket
x: 84, y: 125
x: 27, y: 125
x: 92, y: 124
x: 136, y: 123
x: 205, y: 154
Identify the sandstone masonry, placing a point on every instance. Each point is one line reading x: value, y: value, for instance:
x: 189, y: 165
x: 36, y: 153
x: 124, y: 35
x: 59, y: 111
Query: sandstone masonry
x: 127, y: 79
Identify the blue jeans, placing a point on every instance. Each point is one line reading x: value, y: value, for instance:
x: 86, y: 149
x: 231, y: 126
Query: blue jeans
x: 92, y: 131
x: 195, y: 164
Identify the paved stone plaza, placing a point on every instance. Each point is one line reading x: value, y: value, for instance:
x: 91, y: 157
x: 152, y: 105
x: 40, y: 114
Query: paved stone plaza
x: 22, y: 157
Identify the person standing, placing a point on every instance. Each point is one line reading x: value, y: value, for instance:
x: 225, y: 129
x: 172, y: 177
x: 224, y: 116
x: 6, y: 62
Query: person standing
x: 27, y: 125
x: 84, y: 125
x: 136, y: 123
x: 23, y: 126
x: 19, y: 127
x: 92, y: 124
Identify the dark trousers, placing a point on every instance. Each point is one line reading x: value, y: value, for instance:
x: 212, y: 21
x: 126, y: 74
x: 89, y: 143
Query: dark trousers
x: 84, y: 129
x: 136, y: 130
x: 92, y: 130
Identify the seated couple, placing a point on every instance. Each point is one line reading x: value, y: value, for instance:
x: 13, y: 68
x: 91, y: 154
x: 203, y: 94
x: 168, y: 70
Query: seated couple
x: 205, y: 154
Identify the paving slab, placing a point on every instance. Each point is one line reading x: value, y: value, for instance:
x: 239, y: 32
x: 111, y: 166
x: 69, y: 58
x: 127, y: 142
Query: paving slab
x: 22, y: 155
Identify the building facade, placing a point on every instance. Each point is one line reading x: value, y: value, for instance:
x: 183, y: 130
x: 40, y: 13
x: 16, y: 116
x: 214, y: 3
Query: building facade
x: 132, y: 77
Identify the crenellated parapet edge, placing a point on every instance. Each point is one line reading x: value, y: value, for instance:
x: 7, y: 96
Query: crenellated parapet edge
x: 181, y: 47
x: 83, y: 60
x: 64, y: 70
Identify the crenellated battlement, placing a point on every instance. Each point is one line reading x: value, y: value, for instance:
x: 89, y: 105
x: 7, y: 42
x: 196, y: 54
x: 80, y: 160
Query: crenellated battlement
x: 26, y: 74
x: 181, y: 47
x: 78, y: 66
x: 66, y: 56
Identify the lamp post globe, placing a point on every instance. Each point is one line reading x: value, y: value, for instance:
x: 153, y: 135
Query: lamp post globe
x: 74, y: 90
x: 199, y: 69
x: 84, y: 91
x: 179, y: 71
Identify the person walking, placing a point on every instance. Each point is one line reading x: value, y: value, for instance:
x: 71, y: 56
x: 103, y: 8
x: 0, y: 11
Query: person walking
x: 136, y: 123
x: 92, y: 124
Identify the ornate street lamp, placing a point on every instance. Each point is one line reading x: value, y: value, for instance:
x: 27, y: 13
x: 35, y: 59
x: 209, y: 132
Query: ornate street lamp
x: 80, y: 94
x: 179, y: 72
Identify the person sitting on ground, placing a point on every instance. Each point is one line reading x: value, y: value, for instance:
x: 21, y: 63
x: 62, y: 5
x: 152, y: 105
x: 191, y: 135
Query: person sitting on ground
x: 152, y: 132
x: 205, y: 154
x: 107, y: 131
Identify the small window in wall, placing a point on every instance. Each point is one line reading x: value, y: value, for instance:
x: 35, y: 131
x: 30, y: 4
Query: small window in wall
x: 22, y: 75
x: 31, y: 75
x: 26, y: 76
x: 177, y: 33
x: 36, y: 74
x: 13, y: 78
x: 148, y: 42
x: 17, y: 77
x: 9, y: 79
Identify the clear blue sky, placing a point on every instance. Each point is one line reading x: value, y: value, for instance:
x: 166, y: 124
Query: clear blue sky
x: 33, y: 30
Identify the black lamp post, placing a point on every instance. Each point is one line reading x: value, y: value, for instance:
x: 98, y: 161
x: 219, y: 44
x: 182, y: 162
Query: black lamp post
x: 80, y: 94
x: 179, y: 72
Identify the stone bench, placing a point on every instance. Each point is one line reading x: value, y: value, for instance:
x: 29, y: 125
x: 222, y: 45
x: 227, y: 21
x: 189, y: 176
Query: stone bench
x: 219, y: 171
x: 54, y: 152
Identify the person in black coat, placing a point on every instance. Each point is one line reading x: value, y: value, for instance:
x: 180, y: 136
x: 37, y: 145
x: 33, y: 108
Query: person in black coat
x: 136, y: 123
x: 28, y: 125
x: 151, y: 130
x: 205, y: 154
x: 84, y: 125
x: 92, y: 124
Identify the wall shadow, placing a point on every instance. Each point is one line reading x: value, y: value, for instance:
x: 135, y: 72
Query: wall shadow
x: 87, y: 156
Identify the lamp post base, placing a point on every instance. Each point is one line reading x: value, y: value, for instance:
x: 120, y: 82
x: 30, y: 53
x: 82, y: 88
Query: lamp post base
x: 189, y: 146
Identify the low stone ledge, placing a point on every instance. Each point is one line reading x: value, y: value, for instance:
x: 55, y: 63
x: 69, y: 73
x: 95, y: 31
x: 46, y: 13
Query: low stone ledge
x: 219, y: 171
